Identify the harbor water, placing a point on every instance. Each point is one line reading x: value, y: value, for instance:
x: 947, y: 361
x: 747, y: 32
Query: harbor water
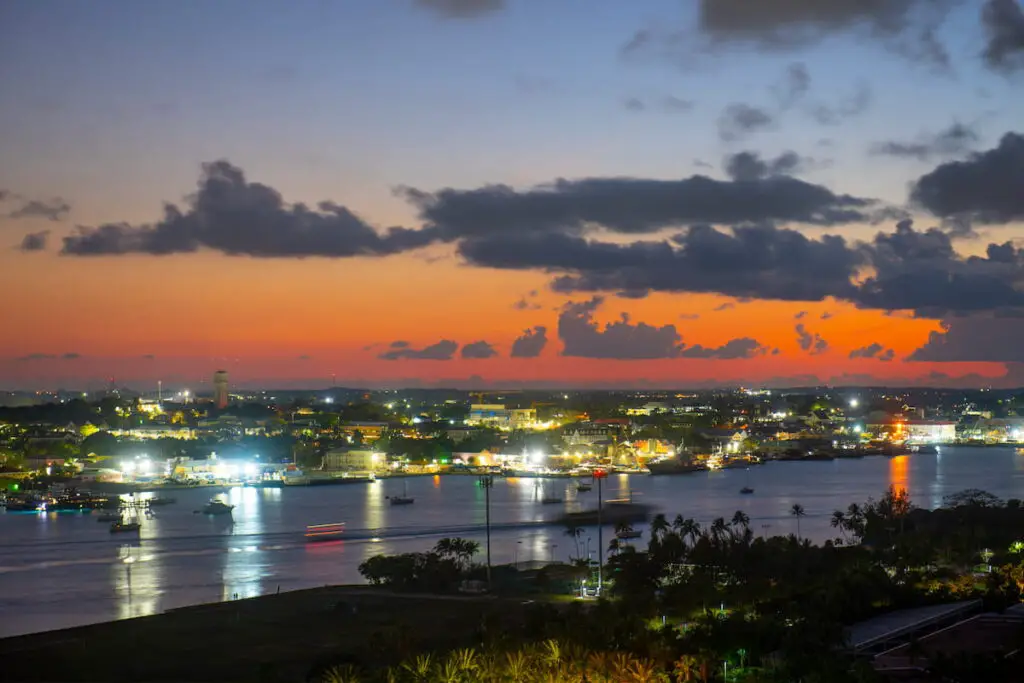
x: 65, y: 569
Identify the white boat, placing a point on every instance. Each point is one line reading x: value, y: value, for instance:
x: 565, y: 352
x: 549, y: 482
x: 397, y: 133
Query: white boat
x: 628, y: 534
x: 217, y: 507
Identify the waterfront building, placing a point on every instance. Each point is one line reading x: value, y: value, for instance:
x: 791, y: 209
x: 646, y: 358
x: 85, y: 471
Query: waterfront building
x: 353, y: 460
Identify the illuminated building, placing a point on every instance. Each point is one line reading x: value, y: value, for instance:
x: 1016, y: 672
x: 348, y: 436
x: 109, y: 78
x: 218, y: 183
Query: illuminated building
x: 220, y: 389
x: 351, y: 459
x: 930, y: 431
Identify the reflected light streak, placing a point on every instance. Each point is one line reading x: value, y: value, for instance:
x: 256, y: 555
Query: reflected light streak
x: 899, y: 472
x: 374, y: 507
x: 244, y: 571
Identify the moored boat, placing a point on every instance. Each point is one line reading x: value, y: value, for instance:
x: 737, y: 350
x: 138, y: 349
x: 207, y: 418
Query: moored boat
x: 217, y: 507
x: 125, y: 527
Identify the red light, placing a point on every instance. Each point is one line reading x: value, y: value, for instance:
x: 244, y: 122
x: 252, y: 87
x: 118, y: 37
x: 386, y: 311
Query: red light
x: 600, y: 474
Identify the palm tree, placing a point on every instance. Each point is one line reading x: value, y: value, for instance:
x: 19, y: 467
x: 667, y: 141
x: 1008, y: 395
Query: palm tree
x: 687, y: 669
x: 797, y: 511
x: 839, y: 522
x: 575, y: 532
x: 718, y: 528
x: 659, y: 525
x: 741, y: 519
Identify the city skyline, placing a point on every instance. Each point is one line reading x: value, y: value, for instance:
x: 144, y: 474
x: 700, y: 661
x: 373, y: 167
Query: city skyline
x: 665, y: 194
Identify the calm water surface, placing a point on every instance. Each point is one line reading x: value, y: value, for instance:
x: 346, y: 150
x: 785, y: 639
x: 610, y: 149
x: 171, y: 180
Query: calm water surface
x: 65, y: 569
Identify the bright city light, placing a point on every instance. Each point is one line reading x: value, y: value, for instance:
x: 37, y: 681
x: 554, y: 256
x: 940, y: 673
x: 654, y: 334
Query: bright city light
x: 854, y: 403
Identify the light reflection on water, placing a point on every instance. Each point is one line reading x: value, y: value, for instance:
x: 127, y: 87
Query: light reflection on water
x: 62, y: 569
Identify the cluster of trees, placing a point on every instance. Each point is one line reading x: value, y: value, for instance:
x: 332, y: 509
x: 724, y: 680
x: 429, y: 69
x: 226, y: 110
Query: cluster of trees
x: 717, y: 602
x: 438, y: 570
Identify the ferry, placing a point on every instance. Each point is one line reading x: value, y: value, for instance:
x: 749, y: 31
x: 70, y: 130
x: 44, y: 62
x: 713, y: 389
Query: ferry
x: 324, y: 532
x: 125, y: 527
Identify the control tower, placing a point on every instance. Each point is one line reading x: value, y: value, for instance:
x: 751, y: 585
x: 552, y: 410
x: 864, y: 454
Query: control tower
x: 220, y: 389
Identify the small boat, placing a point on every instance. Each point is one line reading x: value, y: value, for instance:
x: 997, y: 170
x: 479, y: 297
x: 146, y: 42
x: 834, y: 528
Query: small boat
x: 550, y: 501
x: 162, y: 501
x: 217, y: 507
x: 124, y: 527
x: 628, y: 534
x: 405, y: 498
x: 746, y: 490
x: 583, y: 488
x: 324, y: 532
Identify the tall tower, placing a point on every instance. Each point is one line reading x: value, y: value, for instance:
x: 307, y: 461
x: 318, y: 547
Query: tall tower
x: 220, y: 389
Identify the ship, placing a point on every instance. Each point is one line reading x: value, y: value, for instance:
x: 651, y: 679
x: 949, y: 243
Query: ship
x: 217, y: 507
x: 674, y: 465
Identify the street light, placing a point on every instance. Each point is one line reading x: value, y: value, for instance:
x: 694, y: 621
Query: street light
x: 600, y: 475
x: 487, y: 481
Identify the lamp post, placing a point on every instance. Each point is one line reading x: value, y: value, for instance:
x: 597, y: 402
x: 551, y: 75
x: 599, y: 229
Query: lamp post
x: 487, y: 481
x: 600, y: 475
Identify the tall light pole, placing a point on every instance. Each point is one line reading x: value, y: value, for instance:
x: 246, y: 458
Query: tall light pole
x: 487, y: 481
x: 600, y: 475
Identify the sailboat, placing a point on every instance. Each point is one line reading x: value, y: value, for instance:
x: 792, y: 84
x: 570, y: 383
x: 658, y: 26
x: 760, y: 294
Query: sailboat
x: 403, y: 499
x: 747, y: 490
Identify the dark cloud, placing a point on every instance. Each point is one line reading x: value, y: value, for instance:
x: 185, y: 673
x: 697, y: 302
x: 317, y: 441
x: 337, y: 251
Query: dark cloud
x: 478, y: 350
x: 583, y: 337
x: 869, y: 351
x: 754, y: 261
x: 826, y: 315
x: 887, y: 355
x: 921, y: 271
x: 855, y: 105
x: 51, y: 209
x: 531, y: 343
x: 800, y: 316
x: 974, y: 338
x: 734, y: 349
x: 461, y: 9
x: 810, y: 341
x: 794, y: 86
x: 986, y: 187
x: 738, y: 121
x: 304, y: 357
x: 71, y: 356
x: 237, y: 217
x: 1004, y: 32
x: 956, y: 140
x: 148, y: 356
x: 747, y: 166
x: 442, y: 350
x: 905, y: 26
x: 725, y: 307
x: 34, y: 241
x: 630, y: 205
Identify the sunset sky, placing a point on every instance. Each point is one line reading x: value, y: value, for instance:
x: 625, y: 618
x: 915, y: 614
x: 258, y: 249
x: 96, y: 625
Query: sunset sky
x: 512, y: 192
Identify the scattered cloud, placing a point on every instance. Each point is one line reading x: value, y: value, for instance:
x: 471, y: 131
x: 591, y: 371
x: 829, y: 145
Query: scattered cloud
x: 800, y: 316
x: 734, y: 349
x: 634, y: 104
x: 689, y: 316
x: 747, y: 166
x: 629, y: 206
x: 794, y: 86
x: 35, y: 241
x: 583, y: 337
x: 531, y: 343
x: 739, y: 120
x: 985, y: 187
x: 148, y: 356
x: 725, y: 307
x: 400, y: 350
x: 1003, y: 21
x: 825, y: 316
x: 954, y: 141
x: 234, y: 216
x: 853, y: 106
x: 55, y: 209
x: 461, y: 9
x: 810, y: 341
x: 49, y: 356
x: 874, y: 350
x: 478, y: 350
x: 304, y: 357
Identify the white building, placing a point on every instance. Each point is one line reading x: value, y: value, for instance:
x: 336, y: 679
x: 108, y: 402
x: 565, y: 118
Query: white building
x: 930, y: 431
